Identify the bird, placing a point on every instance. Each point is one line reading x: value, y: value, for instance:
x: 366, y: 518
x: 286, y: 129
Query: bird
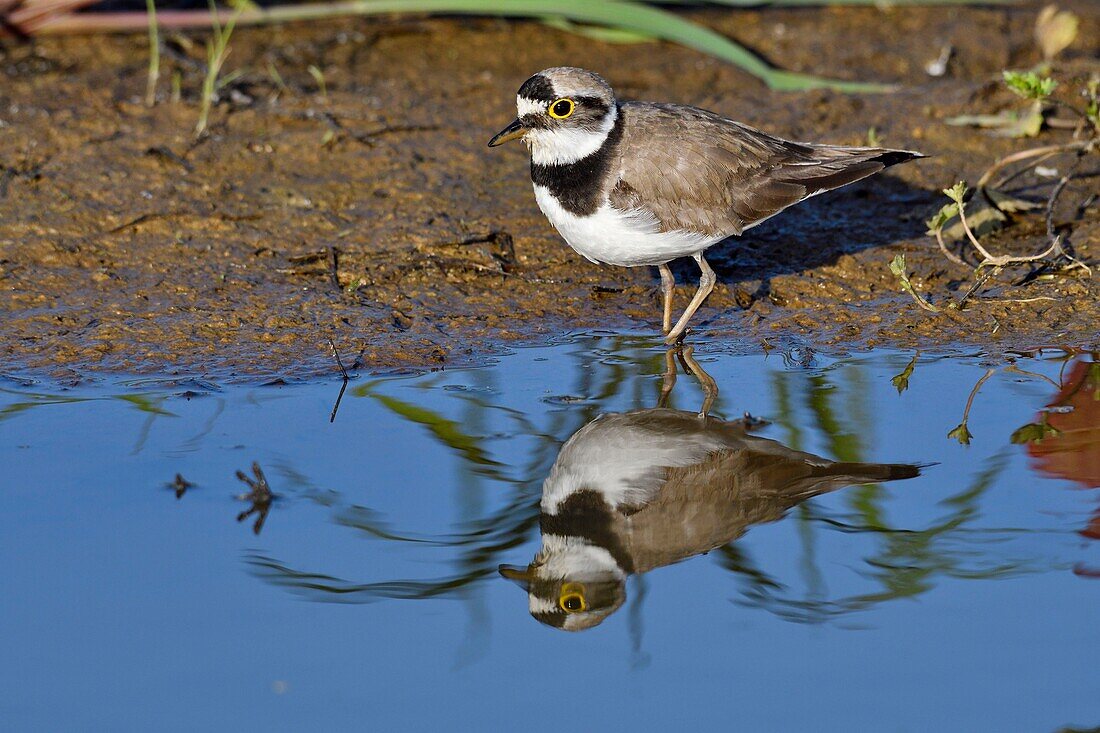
x: 641, y: 183
x: 635, y: 491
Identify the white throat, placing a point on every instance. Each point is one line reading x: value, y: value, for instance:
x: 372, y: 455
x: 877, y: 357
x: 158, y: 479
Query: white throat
x: 564, y: 145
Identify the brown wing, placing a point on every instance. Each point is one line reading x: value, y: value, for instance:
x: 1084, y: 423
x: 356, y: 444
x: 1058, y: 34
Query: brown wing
x: 704, y: 506
x: 697, y: 171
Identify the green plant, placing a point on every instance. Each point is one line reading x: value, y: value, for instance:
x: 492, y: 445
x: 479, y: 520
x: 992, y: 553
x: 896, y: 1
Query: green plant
x: 975, y: 212
x: 154, y: 54
x: 319, y: 77
x: 897, y: 267
x: 217, y: 51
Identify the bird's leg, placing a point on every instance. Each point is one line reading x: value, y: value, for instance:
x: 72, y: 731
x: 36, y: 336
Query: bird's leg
x: 709, y: 386
x: 706, y: 284
x: 668, y: 283
x: 669, y: 380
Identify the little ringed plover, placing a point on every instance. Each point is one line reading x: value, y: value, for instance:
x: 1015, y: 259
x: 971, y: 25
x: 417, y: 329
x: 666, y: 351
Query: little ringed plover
x: 640, y: 183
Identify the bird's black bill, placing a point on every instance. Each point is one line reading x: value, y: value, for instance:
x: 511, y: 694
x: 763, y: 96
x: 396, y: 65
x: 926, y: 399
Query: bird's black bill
x: 514, y: 130
x: 519, y: 576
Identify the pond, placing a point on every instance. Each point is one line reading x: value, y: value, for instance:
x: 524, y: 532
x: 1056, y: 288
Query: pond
x: 878, y: 541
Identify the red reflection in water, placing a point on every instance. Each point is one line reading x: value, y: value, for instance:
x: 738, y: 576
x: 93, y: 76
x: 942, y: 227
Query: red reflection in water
x: 1072, y: 450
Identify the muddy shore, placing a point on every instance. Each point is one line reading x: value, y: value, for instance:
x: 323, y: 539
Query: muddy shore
x: 371, y: 211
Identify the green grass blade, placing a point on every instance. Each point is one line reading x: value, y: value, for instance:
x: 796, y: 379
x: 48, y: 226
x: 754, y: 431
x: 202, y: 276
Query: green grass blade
x: 628, y: 16
x: 835, y: 3
x: 621, y: 15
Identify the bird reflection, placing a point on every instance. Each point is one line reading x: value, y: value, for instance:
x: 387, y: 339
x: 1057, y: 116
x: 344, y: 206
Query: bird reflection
x: 639, y: 490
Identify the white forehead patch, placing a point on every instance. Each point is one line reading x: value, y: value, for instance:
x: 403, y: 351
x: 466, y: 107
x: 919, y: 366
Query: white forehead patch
x: 525, y: 106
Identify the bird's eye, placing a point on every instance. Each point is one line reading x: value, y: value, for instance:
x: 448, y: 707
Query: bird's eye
x: 562, y: 108
x: 572, y: 603
x: 572, y: 598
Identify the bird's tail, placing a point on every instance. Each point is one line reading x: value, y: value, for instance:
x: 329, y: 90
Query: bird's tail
x: 834, y: 166
x: 867, y: 473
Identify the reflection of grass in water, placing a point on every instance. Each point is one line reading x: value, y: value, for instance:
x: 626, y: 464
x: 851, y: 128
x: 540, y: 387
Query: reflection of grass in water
x: 150, y: 404
x: 907, y: 563
x: 447, y: 431
x: 483, y: 542
x: 35, y: 400
x: 908, y: 560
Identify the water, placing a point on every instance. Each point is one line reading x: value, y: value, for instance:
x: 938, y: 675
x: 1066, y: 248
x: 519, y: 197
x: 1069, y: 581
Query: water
x: 962, y: 599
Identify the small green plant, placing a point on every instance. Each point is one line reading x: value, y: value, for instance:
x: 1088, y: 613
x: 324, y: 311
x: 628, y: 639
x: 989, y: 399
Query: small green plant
x: 897, y: 266
x: 972, y: 213
x: 961, y: 432
x: 154, y: 55
x: 1029, y: 85
x: 277, y: 79
x: 217, y: 51
x: 901, y: 380
x: 319, y: 77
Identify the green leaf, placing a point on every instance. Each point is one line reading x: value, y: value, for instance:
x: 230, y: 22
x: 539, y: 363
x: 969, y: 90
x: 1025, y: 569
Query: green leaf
x: 956, y: 192
x: 1033, y: 433
x: 944, y: 215
x: 897, y: 266
x: 1029, y: 85
x: 603, y: 34
x: 901, y: 381
x: 961, y: 433
x: 632, y: 17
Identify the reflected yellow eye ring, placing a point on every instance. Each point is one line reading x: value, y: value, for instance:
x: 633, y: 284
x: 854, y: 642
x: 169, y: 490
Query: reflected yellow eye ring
x: 561, y: 108
x: 571, y: 599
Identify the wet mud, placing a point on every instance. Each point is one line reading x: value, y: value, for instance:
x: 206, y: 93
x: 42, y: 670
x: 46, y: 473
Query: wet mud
x: 368, y: 210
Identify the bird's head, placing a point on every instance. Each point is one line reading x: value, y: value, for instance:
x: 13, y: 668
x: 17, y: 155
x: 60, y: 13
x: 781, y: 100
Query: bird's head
x: 564, y: 114
x: 573, y: 589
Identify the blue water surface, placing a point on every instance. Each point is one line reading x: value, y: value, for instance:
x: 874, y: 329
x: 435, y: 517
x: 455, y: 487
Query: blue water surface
x: 960, y: 600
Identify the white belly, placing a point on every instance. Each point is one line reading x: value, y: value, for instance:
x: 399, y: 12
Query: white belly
x: 621, y: 238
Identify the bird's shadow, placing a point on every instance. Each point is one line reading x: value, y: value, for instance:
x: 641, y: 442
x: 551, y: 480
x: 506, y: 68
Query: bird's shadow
x: 872, y: 213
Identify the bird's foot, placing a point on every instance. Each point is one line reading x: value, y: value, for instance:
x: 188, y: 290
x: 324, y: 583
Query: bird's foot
x: 674, y: 338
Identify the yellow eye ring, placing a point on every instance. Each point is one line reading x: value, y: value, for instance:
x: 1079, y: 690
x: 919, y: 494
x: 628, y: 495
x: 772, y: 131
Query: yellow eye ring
x: 561, y: 108
x: 571, y: 599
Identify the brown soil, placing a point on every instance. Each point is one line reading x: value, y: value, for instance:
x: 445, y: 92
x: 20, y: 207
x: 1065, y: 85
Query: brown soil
x: 127, y: 245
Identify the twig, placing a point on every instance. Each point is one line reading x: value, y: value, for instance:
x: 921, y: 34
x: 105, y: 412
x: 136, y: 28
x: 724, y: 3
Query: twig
x: 961, y: 432
x: 1018, y: 300
x: 970, y: 235
x: 958, y: 304
x: 947, y: 253
x: 1017, y: 370
x: 344, y: 384
x: 990, y: 260
x: 983, y: 182
x: 339, y: 361
x: 974, y: 392
x: 336, y: 406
